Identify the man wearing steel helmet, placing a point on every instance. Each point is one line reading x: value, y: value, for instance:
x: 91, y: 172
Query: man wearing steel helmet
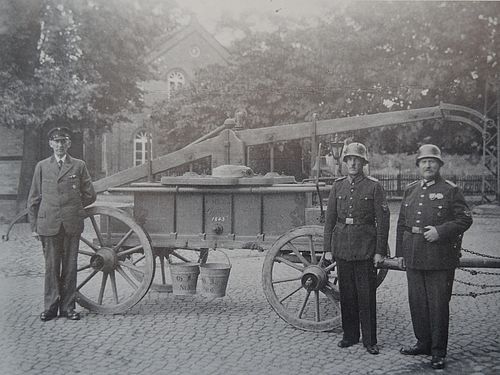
x: 431, y: 221
x: 60, y: 190
x: 356, y: 231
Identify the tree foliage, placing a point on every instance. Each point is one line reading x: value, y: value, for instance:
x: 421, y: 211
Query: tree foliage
x: 359, y: 58
x: 75, y: 63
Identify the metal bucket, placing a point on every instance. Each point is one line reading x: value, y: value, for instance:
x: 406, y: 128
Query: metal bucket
x: 184, y: 278
x: 214, y: 278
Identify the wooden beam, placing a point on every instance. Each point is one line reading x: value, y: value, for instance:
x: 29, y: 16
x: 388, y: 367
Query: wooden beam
x: 214, y: 147
x: 303, y: 130
x: 231, y: 144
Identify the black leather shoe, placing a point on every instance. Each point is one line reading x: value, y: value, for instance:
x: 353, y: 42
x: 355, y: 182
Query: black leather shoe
x: 437, y: 363
x: 372, y: 349
x: 71, y: 315
x: 346, y: 343
x: 414, y: 350
x: 47, y: 315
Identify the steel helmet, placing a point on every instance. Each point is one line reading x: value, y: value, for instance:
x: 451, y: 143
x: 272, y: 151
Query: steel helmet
x: 429, y: 151
x: 356, y: 149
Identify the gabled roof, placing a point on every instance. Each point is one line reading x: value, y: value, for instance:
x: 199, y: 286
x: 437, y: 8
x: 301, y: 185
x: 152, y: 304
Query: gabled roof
x: 193, y: 27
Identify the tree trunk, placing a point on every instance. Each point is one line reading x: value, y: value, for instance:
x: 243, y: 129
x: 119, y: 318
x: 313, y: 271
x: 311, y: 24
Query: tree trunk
x: 31, y: 155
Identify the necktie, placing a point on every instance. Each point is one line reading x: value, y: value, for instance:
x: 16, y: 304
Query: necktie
x: 59, y: 163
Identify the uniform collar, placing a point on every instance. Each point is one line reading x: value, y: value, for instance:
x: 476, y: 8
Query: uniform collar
x: 430, y: 182
x: 356, y: 179
x: 427, y: 183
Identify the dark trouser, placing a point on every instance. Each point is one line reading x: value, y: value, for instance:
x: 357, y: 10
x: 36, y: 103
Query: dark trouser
x: 61, y: 252
x: 429, y: 294
x: 358, y: 304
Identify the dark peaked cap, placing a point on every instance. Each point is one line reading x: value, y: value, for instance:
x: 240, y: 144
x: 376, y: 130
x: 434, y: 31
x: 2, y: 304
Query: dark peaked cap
x: 59, y: 133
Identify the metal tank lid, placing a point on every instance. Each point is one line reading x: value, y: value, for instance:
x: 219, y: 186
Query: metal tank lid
x: 227, y: 175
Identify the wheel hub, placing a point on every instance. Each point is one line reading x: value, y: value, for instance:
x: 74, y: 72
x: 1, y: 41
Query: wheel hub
x: 314, y: 278
x: 104, y: 260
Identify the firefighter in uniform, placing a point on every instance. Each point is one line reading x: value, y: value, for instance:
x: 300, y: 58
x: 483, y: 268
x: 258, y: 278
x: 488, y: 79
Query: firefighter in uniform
x: 60, y: 190
x: 356, y: 231
x: 431, y: 221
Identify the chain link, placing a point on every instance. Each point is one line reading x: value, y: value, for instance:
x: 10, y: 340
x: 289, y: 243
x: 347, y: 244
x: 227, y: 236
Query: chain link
x: 474, y: 272
x: 474, y: 294
x: 481, y: 255
x: 482, y: 286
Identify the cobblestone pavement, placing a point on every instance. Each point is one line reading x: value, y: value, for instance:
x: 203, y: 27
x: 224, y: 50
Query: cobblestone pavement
x: 237, y: 334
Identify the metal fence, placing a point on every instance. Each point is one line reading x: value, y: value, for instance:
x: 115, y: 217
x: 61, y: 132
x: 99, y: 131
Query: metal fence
x: 470, y: 185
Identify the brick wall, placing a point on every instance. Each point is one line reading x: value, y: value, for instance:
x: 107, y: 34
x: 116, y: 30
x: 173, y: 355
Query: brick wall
x: 11, y: 151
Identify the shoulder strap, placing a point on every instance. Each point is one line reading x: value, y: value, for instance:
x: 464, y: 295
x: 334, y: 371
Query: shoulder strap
x: 451, y: 183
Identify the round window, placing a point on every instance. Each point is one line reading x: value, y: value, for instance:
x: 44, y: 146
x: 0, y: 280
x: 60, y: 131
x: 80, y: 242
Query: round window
x: 194, y: 51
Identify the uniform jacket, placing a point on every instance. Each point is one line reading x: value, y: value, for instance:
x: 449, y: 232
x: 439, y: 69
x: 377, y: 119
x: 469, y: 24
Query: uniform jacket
x: 440, y: 204
x: 58, y: 196
x: 362, y: 200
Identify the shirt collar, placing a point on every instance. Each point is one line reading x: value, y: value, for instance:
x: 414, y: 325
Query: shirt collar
x: 63, y: 159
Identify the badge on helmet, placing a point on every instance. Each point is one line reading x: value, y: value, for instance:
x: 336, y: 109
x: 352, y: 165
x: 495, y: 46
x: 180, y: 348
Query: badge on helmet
x: 429, y: 151
x: 356, y: 149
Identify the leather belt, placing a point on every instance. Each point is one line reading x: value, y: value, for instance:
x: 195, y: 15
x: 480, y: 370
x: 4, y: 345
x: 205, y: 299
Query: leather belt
x: 416, y: 230
x: 353, y: 221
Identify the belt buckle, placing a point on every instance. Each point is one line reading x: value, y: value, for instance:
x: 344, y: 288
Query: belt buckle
x: 349, y: 221
x: 416, y: 230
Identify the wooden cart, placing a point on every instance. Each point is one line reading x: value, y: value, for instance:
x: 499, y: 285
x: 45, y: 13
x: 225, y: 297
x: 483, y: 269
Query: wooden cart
x: 126, y: 251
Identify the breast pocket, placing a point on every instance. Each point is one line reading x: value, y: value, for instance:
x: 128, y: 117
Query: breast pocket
x: 72, y: 184
x: 405, y: 207
x: 48, y: 186
x: 366, y: 204
x: 440, y: 211
x: 341, y: 204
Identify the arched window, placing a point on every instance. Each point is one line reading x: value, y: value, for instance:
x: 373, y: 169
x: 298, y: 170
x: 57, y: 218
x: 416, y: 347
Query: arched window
x: 175, y: 81
x: 142, y: 146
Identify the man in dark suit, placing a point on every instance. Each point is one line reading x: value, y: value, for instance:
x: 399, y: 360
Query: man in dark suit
x: 60, y: 190
x: 431, y: 221
x: 356, y: 231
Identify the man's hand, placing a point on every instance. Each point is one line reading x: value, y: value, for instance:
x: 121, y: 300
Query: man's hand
x: 431, y: 234
x: 35, y: 235
x: 377, y: 258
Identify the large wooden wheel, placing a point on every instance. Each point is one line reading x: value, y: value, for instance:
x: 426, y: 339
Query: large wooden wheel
x: 300, y: 280
x: 115, y: 261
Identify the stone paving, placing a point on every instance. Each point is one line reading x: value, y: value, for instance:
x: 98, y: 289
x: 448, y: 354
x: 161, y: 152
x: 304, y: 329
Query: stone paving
x: 237, y: 334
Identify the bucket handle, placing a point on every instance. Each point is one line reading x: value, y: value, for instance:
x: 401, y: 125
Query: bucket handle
x: 227, y: 257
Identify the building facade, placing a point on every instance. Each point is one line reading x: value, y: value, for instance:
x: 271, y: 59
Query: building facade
x: 175, y: 61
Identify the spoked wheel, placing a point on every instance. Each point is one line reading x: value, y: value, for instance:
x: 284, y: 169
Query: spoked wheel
x: 115, y: 261
x: 300, y: 282
x: 165, y: 256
